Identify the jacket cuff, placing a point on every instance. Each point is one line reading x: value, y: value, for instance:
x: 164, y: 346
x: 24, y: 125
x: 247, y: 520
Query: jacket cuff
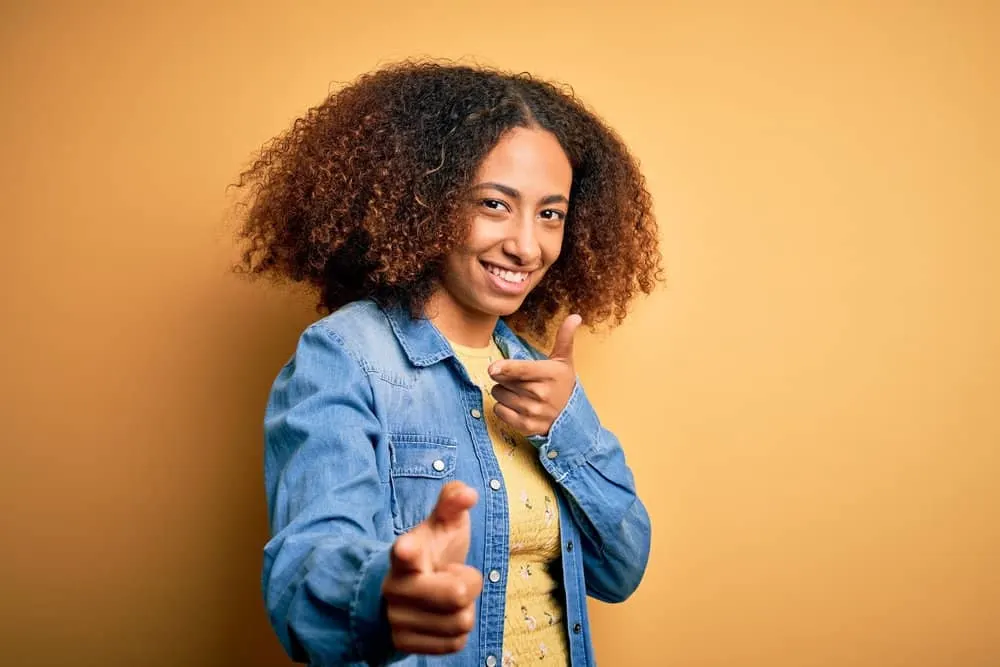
x: 368, y: 621
x: 573, y: 436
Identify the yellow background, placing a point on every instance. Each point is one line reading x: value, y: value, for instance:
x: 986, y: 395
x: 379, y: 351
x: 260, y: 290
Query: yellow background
x: 810, y: 405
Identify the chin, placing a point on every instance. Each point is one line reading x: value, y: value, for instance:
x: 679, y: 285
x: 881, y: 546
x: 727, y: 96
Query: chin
x: 507, y: 312
x: 501, y: 308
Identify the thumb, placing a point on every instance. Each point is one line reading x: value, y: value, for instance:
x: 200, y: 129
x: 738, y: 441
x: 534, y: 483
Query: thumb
x: 563, y: 347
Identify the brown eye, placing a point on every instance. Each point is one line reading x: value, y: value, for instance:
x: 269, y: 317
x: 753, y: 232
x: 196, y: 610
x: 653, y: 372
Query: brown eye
x: 553, y: 215
x: 494, y: 205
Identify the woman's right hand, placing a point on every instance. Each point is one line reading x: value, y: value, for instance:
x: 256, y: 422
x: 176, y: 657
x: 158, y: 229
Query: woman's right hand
x: 430, y: 592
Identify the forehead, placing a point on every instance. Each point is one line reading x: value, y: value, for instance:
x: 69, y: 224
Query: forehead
x: 529, y: 160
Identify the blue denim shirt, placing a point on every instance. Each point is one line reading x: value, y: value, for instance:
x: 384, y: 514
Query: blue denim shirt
x: 357, y: 425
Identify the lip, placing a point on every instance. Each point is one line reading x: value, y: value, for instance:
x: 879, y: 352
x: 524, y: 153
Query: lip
x: 504, y: 287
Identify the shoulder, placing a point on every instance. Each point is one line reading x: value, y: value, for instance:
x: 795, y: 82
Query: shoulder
x: 354, y: 322
x: 353, y: 327
x: 361, y: 331
x: 535, y: 352
x: 530, y: 350
x: 517, y: 346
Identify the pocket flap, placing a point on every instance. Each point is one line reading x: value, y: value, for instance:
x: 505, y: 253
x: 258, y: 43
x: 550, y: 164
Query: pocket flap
x: 422, y: 456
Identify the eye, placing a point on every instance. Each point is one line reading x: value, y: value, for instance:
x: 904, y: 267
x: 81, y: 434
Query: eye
x: 494, y: 205
x: 553, y: 215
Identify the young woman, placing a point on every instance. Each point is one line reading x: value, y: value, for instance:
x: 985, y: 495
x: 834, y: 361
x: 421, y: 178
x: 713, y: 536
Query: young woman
x: 440, y: 491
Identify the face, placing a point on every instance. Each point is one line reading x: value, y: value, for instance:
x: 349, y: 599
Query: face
x: 517, y: 208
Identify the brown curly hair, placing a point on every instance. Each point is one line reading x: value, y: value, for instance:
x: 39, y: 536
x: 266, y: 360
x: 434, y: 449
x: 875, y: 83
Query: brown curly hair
x: 364, y: 195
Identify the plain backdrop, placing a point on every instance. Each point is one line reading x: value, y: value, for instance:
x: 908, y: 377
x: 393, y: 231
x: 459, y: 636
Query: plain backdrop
x: 809, y: 404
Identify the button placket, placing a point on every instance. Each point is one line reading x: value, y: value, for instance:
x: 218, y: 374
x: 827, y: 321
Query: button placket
x: 493, y: 576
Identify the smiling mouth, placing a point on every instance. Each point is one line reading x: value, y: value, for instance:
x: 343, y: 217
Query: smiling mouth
x: 513, y: 277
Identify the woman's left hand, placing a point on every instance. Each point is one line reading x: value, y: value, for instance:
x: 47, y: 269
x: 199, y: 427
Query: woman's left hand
x: 531, y: 394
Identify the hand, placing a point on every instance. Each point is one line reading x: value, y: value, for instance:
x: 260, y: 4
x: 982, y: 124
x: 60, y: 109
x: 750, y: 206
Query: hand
x: 430, y: 592
x: 531, y: 394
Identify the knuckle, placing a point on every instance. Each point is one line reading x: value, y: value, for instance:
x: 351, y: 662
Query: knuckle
x: 465, y: 621
x: 397, y: 616
x: 456, y: 597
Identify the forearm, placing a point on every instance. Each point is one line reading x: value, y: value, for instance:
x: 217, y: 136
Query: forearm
x: 588, y: 463
x: 324, y: 598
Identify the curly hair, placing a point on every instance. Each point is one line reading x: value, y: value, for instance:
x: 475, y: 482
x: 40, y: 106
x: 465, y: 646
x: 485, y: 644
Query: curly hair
x: 363, y: 196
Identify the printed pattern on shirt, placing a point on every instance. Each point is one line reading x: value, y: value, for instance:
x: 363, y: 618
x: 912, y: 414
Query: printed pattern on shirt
x: 534, y: 629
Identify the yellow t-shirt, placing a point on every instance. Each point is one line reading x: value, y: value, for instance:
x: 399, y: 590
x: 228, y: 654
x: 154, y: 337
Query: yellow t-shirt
x: 534, y: 625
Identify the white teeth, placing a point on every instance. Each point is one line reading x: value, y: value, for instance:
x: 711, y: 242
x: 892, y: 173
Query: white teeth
x: 509, y: 276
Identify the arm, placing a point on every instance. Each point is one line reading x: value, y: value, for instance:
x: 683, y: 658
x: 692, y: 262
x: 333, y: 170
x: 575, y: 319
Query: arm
x: 587, y: 461
x: 543, y: 399
x: 326, y: 561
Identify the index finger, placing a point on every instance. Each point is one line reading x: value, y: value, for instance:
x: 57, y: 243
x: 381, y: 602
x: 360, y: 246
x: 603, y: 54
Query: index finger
x: 522, y: 371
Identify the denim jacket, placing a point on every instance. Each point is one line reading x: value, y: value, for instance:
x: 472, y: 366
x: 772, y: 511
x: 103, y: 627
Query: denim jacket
x: 364, y: 425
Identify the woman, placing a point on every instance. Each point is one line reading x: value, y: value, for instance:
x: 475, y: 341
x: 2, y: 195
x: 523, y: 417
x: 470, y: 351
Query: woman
x: 441, y: 492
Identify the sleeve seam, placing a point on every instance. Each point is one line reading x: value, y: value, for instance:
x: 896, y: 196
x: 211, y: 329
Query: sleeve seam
x: 363, y: 366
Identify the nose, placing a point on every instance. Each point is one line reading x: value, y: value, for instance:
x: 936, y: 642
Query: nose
x: 521, y: 243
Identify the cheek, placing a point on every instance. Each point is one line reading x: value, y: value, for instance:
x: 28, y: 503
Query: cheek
x: 456, y: 274
x: 460, y: 259
x: 552, y: 246
x: 483, y: 233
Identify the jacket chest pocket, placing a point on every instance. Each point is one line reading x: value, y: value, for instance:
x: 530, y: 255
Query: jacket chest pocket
x: 419, y: 466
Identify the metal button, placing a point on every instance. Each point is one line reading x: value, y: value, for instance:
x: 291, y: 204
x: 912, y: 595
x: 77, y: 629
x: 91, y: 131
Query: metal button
x: 491, y: 661
x: 438, y: 465
x: 476, y: 414
x: 494, y: 576
x: 577, y: 628
x: 552, y: 454
x: 495, y: 484
x: 569, y: 545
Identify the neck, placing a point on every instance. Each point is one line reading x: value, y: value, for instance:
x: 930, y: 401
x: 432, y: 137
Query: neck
x: 458, y: 324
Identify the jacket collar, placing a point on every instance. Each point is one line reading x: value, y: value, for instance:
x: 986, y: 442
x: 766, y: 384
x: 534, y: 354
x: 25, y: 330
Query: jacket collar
x: 425, y: 345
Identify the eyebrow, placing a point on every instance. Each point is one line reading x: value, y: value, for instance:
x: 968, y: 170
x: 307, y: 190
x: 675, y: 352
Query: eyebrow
x: 514, y: 194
